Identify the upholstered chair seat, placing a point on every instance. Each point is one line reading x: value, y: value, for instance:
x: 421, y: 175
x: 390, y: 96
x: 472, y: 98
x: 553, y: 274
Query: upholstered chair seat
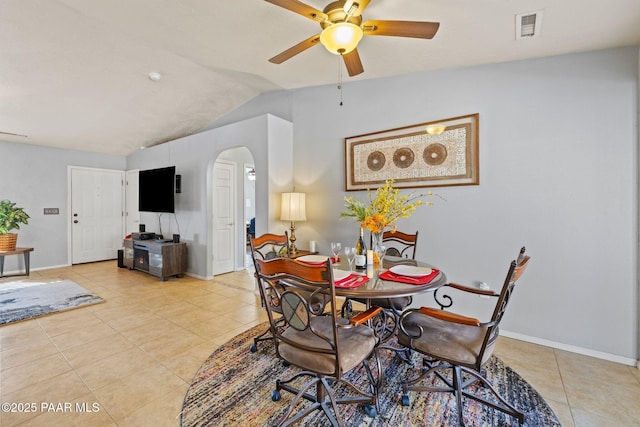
x: 397, y: 303
x: 355, y: 344
x: 444, y: 340
x: 455, y: 347
x: 309, y: 333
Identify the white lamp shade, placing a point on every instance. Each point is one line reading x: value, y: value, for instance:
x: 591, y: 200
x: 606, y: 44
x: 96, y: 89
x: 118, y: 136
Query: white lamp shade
x: 293, y: 207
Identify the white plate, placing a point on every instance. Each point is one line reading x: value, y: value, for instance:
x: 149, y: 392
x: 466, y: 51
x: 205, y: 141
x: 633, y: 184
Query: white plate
x: 313, y: 259
x: 340, y: 274
x: 410, y: 270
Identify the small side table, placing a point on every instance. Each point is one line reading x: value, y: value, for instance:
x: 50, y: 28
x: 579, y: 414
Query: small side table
x: 24, y: 251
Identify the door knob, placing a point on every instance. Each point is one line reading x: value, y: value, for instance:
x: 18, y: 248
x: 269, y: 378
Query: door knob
x: 75, y: 221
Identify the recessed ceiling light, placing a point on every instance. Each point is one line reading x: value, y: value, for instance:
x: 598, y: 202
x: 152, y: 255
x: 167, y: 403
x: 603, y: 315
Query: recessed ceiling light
x: 155, y: 76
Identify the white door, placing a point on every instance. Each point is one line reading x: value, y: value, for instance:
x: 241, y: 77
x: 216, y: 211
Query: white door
x: 96, y: 214
x: 224, y: 227
x: 132, y: 214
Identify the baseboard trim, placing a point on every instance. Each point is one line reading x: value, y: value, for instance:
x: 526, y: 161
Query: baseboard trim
x: 32, y: 269
x: 573, y: 349
x: 197, y: 276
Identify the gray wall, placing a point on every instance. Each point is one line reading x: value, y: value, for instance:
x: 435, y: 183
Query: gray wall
x: 268, y: 139
x: 36, y: 178
x: 558, y: 173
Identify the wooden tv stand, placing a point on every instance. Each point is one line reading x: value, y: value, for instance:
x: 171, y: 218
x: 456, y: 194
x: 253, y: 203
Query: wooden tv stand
x: 160, y: 259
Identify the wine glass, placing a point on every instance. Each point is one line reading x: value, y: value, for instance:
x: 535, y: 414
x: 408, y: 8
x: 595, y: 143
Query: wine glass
x: 335, y: 248
x: 381, y: 251
x: 350, y: 252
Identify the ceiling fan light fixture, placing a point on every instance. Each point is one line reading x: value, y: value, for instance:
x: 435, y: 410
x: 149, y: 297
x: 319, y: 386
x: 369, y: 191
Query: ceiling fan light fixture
x: 341, y: 38
x: 436, y: 129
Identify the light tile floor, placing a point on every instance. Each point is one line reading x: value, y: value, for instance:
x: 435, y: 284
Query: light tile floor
x: 129, y: 361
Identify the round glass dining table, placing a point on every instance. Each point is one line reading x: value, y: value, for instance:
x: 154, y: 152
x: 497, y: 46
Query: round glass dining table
x: 380, y: 288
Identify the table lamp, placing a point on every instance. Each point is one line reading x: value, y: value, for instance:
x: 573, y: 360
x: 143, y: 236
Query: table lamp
x: 293, y: 209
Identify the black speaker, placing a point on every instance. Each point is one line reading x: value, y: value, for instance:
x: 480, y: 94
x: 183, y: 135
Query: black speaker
x: 178, y: 183
x: 121, y: 258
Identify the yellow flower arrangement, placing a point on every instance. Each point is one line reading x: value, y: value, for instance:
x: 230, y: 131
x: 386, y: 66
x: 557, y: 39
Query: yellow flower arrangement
x: 384, y: 209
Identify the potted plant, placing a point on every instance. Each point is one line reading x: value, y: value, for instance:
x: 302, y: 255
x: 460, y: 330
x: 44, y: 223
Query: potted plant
x: 10, y: 219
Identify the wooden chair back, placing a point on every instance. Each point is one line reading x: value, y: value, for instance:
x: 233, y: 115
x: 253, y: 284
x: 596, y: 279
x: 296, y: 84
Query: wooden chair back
x: 400, y: 244
x: 298, y: 287
x: 269, y: 246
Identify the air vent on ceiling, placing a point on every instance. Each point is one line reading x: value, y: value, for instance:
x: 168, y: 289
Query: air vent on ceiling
x: 528, y: 25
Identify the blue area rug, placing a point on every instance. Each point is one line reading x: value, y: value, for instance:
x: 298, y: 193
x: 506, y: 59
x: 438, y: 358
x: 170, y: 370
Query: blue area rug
x: 26, y: 299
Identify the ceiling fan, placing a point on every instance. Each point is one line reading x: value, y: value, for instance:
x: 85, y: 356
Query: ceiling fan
x: 343, y: 28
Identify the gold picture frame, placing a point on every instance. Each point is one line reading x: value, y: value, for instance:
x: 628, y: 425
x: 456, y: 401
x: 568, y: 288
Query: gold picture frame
x: 415, y: 156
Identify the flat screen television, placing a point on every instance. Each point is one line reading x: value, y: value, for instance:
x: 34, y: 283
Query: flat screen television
x: 156, y: 190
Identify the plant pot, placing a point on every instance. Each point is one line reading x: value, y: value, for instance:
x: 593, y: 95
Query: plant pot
x: 8, y: 241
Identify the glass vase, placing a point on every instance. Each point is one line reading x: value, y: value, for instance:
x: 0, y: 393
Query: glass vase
x: 376, y: 244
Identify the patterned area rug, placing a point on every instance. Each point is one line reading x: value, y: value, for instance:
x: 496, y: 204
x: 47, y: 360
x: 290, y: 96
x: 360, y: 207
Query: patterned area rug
x: 233, y: 386
x: 25, y: 300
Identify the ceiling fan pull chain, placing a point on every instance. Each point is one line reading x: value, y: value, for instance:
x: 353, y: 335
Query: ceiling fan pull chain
x: 340, y: 78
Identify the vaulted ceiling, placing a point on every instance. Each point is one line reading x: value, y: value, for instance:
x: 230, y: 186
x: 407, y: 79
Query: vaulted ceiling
x: 74, y: 74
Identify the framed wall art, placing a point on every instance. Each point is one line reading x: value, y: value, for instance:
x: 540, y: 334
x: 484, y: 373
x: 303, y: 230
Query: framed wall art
x: 433, y: 154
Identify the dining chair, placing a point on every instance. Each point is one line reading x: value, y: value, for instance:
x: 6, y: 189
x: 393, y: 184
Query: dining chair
x: 392, y: 307
x: 269, y: 246
x: 315, y: 339
x: 264, y: 247
x: 456, y: 347
x: 400, y: 244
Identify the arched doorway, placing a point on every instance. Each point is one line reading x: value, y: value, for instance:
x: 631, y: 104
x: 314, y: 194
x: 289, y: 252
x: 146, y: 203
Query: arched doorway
x: 249, y: 206
x: 232, y: 194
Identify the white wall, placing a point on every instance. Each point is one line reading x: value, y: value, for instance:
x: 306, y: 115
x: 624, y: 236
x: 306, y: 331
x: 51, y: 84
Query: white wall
x: 558, y: 173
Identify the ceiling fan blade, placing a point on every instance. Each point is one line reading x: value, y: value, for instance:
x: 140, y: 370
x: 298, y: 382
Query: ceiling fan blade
x: 301, y: 9
x: 13, y: 134
x: 417, y: 29
x: 294, y: 50
x: 355, y: 7
x: 353, y: 63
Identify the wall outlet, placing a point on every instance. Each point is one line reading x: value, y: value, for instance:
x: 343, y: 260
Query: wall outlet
x: 484, y: 287
x: 51, y: 211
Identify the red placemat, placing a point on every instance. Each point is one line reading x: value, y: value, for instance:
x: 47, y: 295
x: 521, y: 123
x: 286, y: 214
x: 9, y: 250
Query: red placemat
x: 351, y: 281
x: 412, y: 280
